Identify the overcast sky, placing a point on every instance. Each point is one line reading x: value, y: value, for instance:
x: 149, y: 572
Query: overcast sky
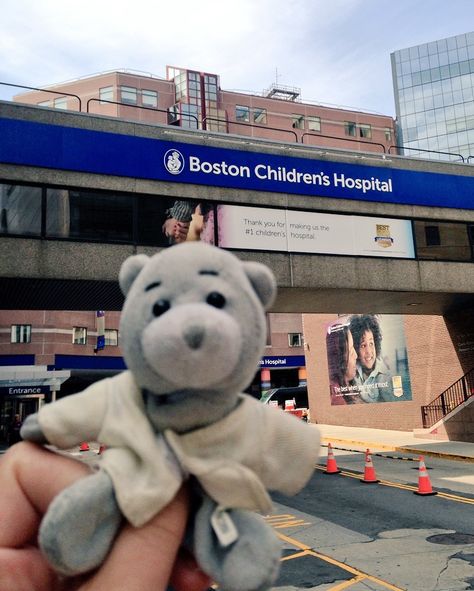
x: 336, y: 51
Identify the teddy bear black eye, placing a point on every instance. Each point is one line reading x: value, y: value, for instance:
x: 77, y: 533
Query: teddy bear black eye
x: 160, y: 307
x: 216, y: 299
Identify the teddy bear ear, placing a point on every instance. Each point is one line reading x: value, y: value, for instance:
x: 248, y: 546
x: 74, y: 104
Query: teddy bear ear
x: 129, y: 270
x: 263, y: 282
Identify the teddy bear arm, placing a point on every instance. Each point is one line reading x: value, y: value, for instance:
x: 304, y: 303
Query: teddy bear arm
x: 32, y: 431
x: 75, y: 418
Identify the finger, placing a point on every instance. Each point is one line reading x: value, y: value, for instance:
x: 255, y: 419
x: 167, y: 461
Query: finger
x: 25, y: 569
x: 186, y: 575
x: 142, y: 558
x: 30, y: 477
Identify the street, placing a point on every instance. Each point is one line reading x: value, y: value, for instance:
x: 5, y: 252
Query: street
x: 341, y: 534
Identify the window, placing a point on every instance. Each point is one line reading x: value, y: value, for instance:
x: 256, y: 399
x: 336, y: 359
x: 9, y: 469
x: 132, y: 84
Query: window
x: 20, y: 210
x: 60, y: 103
x: 87, y: 214
x: 149, y: 98
x: 111, y: 337
x: 350, y: 128
x: 432, y: 236
x: 365, y: 131
x: 314, y: 123
x: 44, y: 104
x: 268, y: 331
x: 128, y: 95
x: 388, y: 134
x: 295, y: 339
x: 189, y: 116
x: 79, y: 335
x: 106, y: 93
x: 21, y: 333
x: 260, y: 115
x: 242, y: 113
x: 298, y: 121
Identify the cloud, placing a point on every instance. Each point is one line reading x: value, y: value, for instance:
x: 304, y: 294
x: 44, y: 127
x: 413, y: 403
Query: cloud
x: 336, y: 51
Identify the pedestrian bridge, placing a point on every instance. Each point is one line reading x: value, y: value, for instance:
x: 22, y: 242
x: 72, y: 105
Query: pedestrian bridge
x: 343, y: 231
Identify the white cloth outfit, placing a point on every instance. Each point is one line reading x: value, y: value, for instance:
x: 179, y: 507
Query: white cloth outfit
x: 253, y: 448
x: 377, y: 386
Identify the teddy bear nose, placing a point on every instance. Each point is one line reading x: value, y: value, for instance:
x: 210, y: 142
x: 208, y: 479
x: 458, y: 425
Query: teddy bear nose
x: 194, y: 335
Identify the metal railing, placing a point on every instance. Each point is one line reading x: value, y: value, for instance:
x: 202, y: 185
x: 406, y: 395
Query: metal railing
x: 450, y: 399
x: 44, y: 90
x: 429, y: 151
x: 154, y: 109
x: 227, y: 123
x: 251, y: 125
x: 342, y: 139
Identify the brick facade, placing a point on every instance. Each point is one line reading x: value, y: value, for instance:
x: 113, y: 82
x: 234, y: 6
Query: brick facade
x: 434, y: 364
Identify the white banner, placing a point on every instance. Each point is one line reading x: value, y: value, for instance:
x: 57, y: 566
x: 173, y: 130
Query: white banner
x: 259, y: 228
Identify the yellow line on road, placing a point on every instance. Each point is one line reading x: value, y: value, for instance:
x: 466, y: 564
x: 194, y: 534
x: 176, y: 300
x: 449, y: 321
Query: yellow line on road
x: 297, y: 555
x: 364, y: 444
x: 348, y: 583
x: 448, y: 496
x: 296, y: 523
x: 286, y: 520
x: 293, y: 542
x: 278, y: 517
x: 359, y: 575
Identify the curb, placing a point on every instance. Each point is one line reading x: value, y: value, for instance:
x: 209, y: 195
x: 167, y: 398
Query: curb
x: 436, y: 454
x: 403, y: 449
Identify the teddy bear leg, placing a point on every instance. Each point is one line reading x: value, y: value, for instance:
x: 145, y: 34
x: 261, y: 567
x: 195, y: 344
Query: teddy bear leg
x: 80, y: 525
x: 250, y: 563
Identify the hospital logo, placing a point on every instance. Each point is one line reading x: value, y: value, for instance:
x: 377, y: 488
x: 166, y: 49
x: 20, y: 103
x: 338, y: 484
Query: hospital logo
x: 383, y: 237
x: 174, y: 161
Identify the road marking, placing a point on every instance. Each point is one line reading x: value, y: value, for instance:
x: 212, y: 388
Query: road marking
x: 403, y: 448
x: 358, y: 574
x: 284, y: 521
x: 296, y: 555
x: 348, y: 583
x: 448, y: 496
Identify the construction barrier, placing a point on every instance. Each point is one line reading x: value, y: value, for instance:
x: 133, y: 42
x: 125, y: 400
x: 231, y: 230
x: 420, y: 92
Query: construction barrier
x: 369, y: 470
x: 424, y: 483
x: 331, y: 465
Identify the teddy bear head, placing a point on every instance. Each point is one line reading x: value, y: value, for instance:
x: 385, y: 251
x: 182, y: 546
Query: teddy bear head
x: 193, y: 330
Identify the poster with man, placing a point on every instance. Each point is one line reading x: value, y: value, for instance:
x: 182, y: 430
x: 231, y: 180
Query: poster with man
x: 367, y: 359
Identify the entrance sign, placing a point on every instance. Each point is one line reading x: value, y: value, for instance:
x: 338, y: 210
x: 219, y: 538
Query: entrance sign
x: 24, y: 390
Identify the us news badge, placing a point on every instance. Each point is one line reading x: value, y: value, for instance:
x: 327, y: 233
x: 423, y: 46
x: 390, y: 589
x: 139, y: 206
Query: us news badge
x: 383, y: 237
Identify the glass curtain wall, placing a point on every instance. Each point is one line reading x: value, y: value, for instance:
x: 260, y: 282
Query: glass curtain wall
x: 434, y: 98
x: 197, y: 100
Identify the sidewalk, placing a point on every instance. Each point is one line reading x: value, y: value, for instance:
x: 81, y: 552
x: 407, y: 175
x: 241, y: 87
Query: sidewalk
x: 399, y: 441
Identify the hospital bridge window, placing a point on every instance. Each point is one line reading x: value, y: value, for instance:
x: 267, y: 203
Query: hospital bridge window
x: 67, y: 213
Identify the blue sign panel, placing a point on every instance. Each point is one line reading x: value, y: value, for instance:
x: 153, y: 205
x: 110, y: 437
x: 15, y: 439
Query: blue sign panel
x: 24, y: 390
x: 88, y: 362
x: 68, y: 148
x: 290, y: 361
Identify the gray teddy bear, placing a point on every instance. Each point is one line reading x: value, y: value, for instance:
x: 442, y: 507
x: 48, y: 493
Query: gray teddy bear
x: 192, y: 332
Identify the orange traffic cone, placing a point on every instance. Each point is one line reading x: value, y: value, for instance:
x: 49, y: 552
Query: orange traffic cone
x: 424, y: 484
x: 331, y: 465
x: 369, y: 471
x: 84, y: 446
x: 102, y: 448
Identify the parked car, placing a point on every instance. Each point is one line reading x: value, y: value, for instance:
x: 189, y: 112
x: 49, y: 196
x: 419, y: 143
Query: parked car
x: 292, y: 399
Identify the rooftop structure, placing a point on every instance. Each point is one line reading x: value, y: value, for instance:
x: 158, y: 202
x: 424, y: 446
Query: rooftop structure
x: 195, y: 100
